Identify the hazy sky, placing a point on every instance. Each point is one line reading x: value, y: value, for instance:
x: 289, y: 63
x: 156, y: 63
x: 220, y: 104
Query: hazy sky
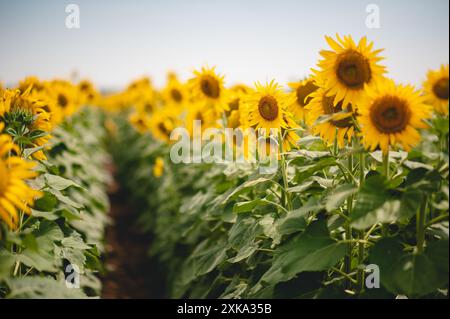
x: 247, y: 40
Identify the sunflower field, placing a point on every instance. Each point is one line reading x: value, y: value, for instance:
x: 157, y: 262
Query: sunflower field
x: 335, y: 186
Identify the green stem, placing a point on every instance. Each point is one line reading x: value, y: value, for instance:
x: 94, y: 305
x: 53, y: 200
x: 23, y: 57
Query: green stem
x: 361, y: 234
x: 348, y: 229
x: 421, y: 216
x: 384, y: 228
x: 284, y: 174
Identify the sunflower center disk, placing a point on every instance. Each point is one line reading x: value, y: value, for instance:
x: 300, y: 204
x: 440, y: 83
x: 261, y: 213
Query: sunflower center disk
x: 440, y: 88
x: 268, y: 108
x: 390, y: 114
x: 164, y: 130
x: 176, y: 95
x: 62, y: 100
x: 303, y: 91
x: 210, y: 86
x: 328, y: 108
x: 353, y: 70
x: 3, y: 177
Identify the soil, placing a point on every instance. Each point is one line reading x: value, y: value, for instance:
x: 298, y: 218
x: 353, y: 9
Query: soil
x: 130, y: 273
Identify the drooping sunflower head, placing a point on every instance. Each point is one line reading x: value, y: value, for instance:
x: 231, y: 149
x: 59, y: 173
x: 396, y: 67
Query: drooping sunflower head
x: 301, y: 96
x: 15, y: 194
x: 348, y: 68
x: 266, y: 106
x: 390, y: 115
x: 436, y: 89
x: 290, y: 136
x: 330, y: 122
x: 208, y: 86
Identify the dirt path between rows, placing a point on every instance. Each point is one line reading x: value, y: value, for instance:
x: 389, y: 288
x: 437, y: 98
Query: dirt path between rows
x: 130, y: 272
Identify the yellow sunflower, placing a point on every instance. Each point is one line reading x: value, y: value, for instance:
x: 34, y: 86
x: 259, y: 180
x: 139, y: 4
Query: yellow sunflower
x: 175, y: 92
x: 326, y: 120
x: 30, y: 112
x: 301, y: 91
x: 88, y: 93
x: 64, y: 96
x: 349, y: 68
x: 208, y: 86
x: 436, y: 89
x: 290, y: 136
x: 200, y: 112
x: 158, y: 167
x: 390, y: 114
x: 140, y: 121
x: 162, y: 123
x: 15, y: 194
x: 266, y: 107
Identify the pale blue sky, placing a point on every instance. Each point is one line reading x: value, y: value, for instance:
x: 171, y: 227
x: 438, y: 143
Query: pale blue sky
x: 247, y: 40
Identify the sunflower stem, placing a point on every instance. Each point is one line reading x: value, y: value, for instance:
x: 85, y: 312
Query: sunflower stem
x: 420, y: 223
x: 348, y: 229
x: 361, y: 234
x: 284, y: 173
x: 384, y: 228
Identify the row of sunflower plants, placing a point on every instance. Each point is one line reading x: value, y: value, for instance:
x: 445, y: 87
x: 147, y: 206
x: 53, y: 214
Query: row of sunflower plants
x: 53, y: 202
x: 358, y: 206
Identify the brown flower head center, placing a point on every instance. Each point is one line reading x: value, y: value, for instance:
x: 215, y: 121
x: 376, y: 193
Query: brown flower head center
x: 390, y: 114
x: 163, y: 129
x: 353, y: 69
x: 303, y: 91
x: 62, y: 100
x: 440, y: 88
x: 268, y: 108
x: 234, y: 104
x: 176, y: 95
x: 3, y: 177
x: 210, y: 86
x: 329, y: 109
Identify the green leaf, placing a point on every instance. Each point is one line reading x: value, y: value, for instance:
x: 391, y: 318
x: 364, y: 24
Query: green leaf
x: 313, y: 250
x: 339, y: 195
x: 46, y: 203
x: 7, y: 261
x: 41, y: 288
x: 402, y: 273
x: 59, y: 183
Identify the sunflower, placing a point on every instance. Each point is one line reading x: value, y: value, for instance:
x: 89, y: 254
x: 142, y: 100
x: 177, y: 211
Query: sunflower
x: 158, y: 167
x: 88, y: 93
x: 436, y: 89
x: 64, y: 96
x: 15, y: 194
x: 266, y: 107
x: 21, y: 110
x: 390, y: 114
x: 349, y: 68
x: 290, y: 136
x: 208, y: 86
x: 162, y: 123
x: 140, y: 121
x: 301, y: 91
x: 327, y: 120
x: 200, y: 112
x: 175, y: 92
